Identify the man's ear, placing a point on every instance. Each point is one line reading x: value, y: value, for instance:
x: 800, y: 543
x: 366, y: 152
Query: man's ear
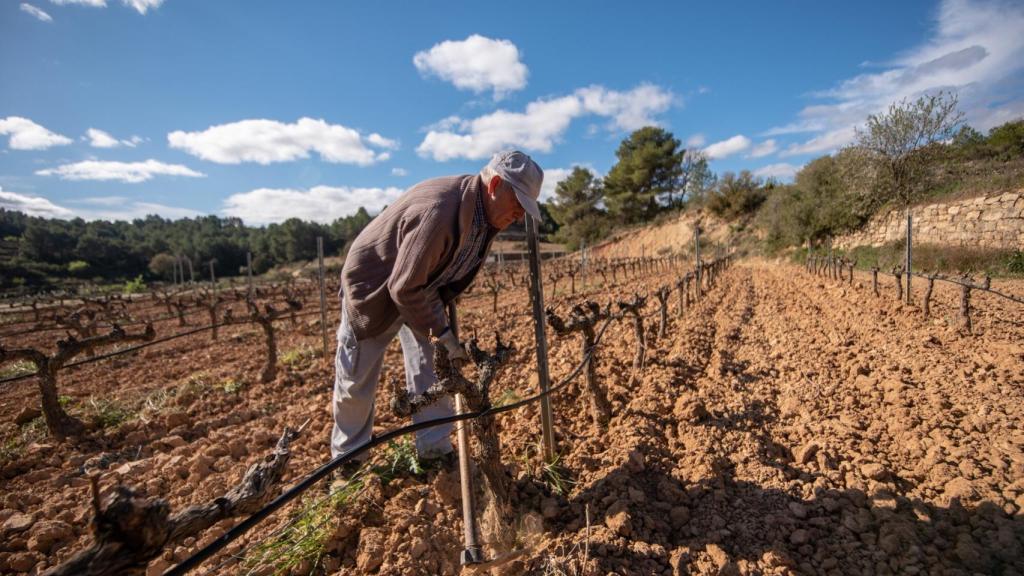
x: 492, y: 186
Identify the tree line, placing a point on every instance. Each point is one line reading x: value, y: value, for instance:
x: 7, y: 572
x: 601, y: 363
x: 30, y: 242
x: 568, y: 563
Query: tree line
x: 46, y: 250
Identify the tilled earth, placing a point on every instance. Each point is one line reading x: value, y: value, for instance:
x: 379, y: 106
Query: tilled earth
x: 787, y: 424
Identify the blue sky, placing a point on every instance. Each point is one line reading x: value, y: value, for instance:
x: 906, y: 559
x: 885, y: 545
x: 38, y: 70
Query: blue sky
x: 266, y: 110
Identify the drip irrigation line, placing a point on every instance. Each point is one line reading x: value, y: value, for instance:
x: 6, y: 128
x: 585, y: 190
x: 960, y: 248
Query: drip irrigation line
x: 241, y: 528
x: 154, y: 342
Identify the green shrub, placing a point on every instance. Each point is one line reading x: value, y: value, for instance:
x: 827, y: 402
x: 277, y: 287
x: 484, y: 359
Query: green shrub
x: 135, y: 286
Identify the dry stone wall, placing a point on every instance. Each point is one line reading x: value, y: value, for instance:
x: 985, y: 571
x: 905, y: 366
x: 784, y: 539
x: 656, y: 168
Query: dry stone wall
x: 993, y: 221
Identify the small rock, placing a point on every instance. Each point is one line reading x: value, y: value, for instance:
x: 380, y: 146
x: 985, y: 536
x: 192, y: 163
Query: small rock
x: 726, y: 567
x: 175, y: 419
x: 875, y: 471
x: 549, y: 508
x: 798, y: 510
x: 618, y: 519
x: 21, y: 562
x: 960, y: 488
x: 798, y: 537
x: 237, y: 448
x: 18, y: 523
x: 680, y: 516
x: 806, y: 452
x: 637, y: 496
x: 174, y: 441
x: 635, y: 461
x: 371, y: 550
x: 419, y: 546
x: 48, y: 532
x: 26, y: 415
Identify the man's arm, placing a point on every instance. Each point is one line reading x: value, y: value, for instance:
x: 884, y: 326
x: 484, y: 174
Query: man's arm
x: 422, y: 243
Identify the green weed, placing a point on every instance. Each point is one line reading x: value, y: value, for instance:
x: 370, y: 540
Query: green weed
x: 19, y: 368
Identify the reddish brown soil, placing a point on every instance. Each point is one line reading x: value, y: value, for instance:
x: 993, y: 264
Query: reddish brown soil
x: 787, y: 424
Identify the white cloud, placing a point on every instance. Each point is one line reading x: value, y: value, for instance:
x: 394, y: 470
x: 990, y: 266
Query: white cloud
x: 825, y: 143
x: 628, y: 110
x: 142, y: 6
x: 696, y: 141
x: 477, y: 63
x: 27, y: 135
x: 399, y: 172
x: 90, y: 3
x: 132, y: 172
x: 976, y: 49
x: 320, y: 203
x: 100, y: 139
x: 122, y: 208
x: 781, y: 171
x: 763, y: 149
x: 543, y: 122
x: 728, y: 147
x: 36, y: 12
x: 552, y: 176
x: 267, y: 141
x: 32, y: 205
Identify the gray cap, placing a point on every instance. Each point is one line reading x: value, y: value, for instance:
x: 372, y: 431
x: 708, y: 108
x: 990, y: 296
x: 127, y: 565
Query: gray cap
x: 523, y: 174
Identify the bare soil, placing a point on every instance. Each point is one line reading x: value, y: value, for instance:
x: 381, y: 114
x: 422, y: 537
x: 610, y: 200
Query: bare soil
x: 787, y: 424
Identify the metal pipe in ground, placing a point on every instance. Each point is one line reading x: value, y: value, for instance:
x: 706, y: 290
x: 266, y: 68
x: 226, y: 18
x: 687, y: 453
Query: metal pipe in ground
x: 471, y: 551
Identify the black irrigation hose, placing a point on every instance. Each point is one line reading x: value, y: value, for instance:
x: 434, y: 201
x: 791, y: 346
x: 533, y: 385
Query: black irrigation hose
x: 238, y: 530
x: 150, y: 343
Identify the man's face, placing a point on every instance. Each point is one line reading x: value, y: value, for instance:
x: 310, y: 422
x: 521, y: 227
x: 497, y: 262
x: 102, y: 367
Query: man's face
x: 502, y: 207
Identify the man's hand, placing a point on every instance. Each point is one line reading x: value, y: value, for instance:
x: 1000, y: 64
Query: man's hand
x: 456, y: 351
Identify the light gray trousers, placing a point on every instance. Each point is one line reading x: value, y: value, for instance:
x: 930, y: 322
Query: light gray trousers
x: 357, y: 366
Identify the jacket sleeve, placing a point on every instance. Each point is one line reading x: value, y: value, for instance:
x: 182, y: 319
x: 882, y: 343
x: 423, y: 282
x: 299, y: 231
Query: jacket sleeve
x: 422, y: 243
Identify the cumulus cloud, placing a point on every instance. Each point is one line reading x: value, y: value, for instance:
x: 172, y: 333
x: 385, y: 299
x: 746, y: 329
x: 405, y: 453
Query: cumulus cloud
x: 696, y: 141
x: 542, y: 124
x: 267, y: 141
x: 477, y: 63
x: 123, y: 208
x: 628, y: 110
x: 90, y: 3
x: 36, y: 12
x: 728, y: 147
x: 320, y: 204
x: 763, y: 149
x: 399, y: 172
x: 132, y: 172
x: 975, y: 49
x: 143, y: 6
x: 780, y: 171
x: 32, y: 205
x: 552, y: 176
x: 27, y: 135
x: 100, y: 139
x: 140, y: 6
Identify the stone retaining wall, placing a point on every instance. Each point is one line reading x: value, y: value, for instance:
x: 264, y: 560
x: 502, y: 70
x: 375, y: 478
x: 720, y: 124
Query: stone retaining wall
x: 994, y: 221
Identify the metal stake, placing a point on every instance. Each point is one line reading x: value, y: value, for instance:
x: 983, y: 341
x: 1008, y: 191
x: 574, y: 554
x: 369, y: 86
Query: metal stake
x: 696, y: 256
x: 910, y: 244
x: 323, y: 298
x: 537, y: 297
x: 248, y: 270
x: 471, y: 552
